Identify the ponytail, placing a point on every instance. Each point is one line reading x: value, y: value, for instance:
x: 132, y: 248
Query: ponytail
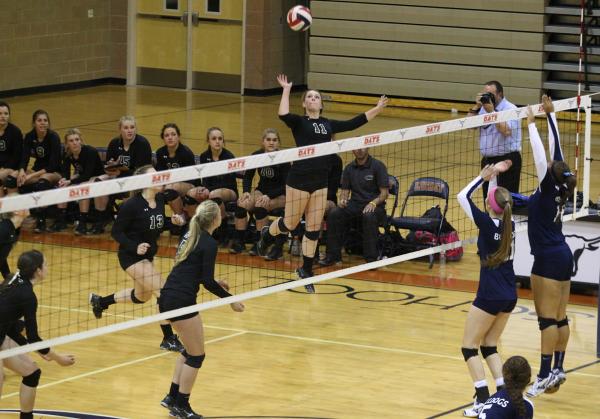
x: 567, y: 181
x: 517, y: 373
x: 205, y: 215
x: 503, y: 199
x: 29, y: 262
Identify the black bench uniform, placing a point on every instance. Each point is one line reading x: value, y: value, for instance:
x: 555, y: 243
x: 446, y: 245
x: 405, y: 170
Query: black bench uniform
x: 183, y: 283
x: 86, y: 166
x: 138, y: 223
x: 139, y: 153
x: 310, y: 174
x: 11, y: 147
x: 271, y: 178
x: 47, y: 152
x: 226, y: 181
x: 8, y: 237
x: 17, y: 300
x: 184, y: 157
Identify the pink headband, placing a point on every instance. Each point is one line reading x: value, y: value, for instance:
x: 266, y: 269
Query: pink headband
x: 492, y: 201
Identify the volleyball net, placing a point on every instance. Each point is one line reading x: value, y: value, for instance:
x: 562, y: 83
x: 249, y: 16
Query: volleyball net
x: 447, y: 150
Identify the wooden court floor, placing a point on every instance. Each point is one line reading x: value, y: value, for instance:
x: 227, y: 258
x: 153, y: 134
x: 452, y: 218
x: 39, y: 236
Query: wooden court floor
x: 382, y: 344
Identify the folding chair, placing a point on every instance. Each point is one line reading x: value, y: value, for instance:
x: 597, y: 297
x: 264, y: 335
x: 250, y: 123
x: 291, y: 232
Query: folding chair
x: 428, y: 187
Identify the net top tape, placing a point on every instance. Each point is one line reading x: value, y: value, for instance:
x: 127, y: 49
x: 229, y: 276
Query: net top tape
x: 108, y: 187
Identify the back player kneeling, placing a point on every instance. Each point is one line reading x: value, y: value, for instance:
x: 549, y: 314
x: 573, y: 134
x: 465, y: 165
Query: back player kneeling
x: 17, y: 300
x: 194, y: 265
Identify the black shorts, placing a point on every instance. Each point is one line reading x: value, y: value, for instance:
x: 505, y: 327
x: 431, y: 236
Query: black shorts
x: 127, y: 259
x: 555, y: 264
x: 494, y: 307
x: 168, y: 302
x: 307, y: 182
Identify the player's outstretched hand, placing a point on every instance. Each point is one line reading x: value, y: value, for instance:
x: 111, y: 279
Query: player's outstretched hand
x: 238, y: 307
x: 382, y: 102
x: 223, y: 284
x: 283, y: 81
x: 547, y: 104
x: 487, y: 172
x: 502, y: 166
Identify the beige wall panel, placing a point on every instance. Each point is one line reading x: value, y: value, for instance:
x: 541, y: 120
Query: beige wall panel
x: 527, y: 6
x: 230, y: 9
x: 161, y: 44
x: 423, y: 52
x: 413, y: 88
x: 217, y: 48
x: 157, y: 7
x: 427, y: 34
x: 425, y: 71
x: 428, y: 16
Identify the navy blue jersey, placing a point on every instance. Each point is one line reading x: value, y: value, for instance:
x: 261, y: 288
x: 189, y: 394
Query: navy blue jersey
x: 46, y: 152
x: 307, y: 131
x: 271, y: 178
x: 11, y: 147
x: 85, y: 166
x: 183, y: 157
x: 499, y: 406
x: 137, y: 154
x: 198, y: 268
x: 227, y: 180
x: 499, y: 282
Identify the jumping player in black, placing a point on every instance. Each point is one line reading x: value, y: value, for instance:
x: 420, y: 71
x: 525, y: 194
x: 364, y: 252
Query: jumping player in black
x: 306, y: 185
x: 43, y: 145
x: 496, y: 293
x: 17, y: 301
x: 194, y: 265
x: 552, y: 258
x: 268, y: 195
x: 139, y: 223
x: 11, y: 151
x: 87, y: 166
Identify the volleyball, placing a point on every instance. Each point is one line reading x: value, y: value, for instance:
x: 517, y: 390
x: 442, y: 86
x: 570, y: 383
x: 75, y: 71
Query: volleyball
x: 299, y: 18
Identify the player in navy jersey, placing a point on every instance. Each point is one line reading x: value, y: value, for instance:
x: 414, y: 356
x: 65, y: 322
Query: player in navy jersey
x: 194, y: 265
x: 173, y: 155
x: 306, y: 185
x: 552, y: 257
x: 10, y: 228
x: 268, y: 195
x: 43, y: 145
x: 125, y: 153
x: 509, y: 402
x: 139, y: 223
x: 11, y: 150
x: 87, y: 166
x: 18, y: 301
x: 221, y: 188
x: 496, y: 294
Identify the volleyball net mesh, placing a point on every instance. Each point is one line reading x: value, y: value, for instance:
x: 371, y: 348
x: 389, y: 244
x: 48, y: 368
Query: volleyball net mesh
x: 448, y: 150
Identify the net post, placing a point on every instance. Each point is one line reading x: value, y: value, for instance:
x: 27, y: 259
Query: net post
x: 598, y: 321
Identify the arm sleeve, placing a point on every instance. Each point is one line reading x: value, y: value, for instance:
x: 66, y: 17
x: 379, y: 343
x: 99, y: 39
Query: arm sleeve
x: 125, y: 216
x: 17, y: 153
x: 539, y: 154
x: 554, y: 138
x: 247, y: 182
x: 208, y: 267
x: 349, y: 125
x: 31, y: 328
x: 54, y: 162
x: 291, y: 119
x: 111, y: 152
x: 160, y: 162
x: 467, y: 204
x: 142, y: 157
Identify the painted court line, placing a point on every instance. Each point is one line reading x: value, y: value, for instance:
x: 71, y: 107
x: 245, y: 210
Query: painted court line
x: 124, y: 364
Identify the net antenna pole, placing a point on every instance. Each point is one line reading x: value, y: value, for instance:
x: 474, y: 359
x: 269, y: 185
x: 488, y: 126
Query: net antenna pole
x: 582, y: 51
x: 598, y: 321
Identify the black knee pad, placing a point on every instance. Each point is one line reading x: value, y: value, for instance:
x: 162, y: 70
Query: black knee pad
x: 469, y: 353
x: 282, y: 227
x: 33, y: 379
x: 188, y: 200
x: 260, y: 213
x: 134, y: 299
x: 488, y: 350
x: 10, y: 182
x: 194, y: 361
x: 545, y: 323
x: 312, y: 235
x: 42, y: 185
x: 217, y: 201
x: 240, y: 212
x: 562, y: 323
x: 170, y: 195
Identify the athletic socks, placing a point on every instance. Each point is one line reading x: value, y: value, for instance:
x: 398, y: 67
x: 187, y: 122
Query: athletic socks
x: 183, y: 400
x: 499, y: 383
x: 482, y: 391
x: 174, y: 390
x: 559, y: 357
x: 307, y: 263
x: 107, y: 301
x: 167, y: 330
x: 546, y: 360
